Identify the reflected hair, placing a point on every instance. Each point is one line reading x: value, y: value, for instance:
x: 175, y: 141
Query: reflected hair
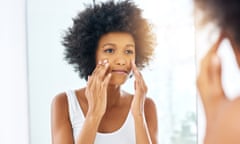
x: 224, y: 13
x: 81, y: 40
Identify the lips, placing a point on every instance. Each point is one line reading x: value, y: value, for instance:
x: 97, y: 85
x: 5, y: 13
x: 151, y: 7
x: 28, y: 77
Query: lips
x: 119, y: 71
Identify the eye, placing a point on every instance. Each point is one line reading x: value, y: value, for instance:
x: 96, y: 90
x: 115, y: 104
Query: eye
x: 109, y: 50
x: 129, y: 51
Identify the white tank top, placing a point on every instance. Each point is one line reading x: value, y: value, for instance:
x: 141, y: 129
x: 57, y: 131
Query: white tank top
x: 124, y: 135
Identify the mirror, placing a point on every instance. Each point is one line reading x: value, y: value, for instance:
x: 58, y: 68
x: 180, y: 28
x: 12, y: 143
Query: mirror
x: 170, y: 77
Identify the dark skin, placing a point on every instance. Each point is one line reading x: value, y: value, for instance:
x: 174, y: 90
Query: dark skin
x: 103, y: 103
x: 222, y: 114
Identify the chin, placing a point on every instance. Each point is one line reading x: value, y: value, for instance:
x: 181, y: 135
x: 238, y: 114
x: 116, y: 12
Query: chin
x: 118, y: 80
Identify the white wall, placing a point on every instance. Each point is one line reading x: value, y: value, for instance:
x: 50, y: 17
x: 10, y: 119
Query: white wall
x: 13, y: 73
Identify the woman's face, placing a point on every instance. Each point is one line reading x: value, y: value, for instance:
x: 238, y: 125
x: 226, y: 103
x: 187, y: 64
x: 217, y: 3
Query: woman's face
x: 119, y: 49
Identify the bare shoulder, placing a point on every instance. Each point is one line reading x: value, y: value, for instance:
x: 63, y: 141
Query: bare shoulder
x: 60, y: 101
x: 60, y: 122
x: 59, y: 112
x: 150, y: 112
x: 59, y: 107
x: 149, y: 105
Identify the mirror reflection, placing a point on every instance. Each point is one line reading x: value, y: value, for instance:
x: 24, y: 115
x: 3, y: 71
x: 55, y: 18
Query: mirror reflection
x: 170, y: 76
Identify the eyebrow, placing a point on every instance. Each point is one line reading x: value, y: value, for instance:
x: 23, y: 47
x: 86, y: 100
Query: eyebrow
x: 112, y: 44
x: 130, y: 45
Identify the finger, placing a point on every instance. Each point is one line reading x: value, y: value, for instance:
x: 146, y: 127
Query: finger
x: 205, y: 66
x: 142, y: 86
x: 135, y: 70
x: 88, y: 80
x: 97, y: 76
x: 203, y: 79
x: 209, y: 80
x: 99, y: 64
x: 203, y: 76
x: 139, y: 82
x: 204, y: 84
x: 216, y: 80
x: 91, y: 84
x: 101, y: 69
x: 140, y: 91
x: 101, y: 73
x: 213, y: 50
x: 106, y: 80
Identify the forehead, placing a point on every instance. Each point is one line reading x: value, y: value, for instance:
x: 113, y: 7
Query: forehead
x: 116, y: 38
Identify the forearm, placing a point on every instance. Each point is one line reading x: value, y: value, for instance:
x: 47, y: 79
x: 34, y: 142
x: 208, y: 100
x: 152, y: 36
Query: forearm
x: 141, y: 130
x: 88, y: 132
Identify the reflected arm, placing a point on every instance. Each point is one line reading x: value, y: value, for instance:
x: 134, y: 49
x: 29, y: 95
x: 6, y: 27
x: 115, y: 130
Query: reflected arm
x: 60, y: 122
x: 146, y: 127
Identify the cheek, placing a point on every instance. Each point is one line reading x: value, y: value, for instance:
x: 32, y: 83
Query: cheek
x: 101, y: 58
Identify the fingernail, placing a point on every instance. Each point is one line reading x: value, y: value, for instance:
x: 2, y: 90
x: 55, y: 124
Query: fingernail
x: 100, y: 62
x: 105, y: 61
x: 107, y: 64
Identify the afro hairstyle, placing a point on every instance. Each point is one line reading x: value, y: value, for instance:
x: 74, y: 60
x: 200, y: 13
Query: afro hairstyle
x: 81, y: 40
x: 224, y: 13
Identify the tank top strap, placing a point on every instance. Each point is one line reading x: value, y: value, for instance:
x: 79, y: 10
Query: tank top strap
x: 75, y: 111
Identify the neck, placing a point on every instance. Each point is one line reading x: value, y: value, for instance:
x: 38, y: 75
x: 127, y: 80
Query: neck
x: 113, y: 96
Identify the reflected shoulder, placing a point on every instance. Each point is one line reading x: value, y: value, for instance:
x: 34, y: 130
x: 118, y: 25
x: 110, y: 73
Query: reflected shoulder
x: 60, y: 98
x: 59, y: 103
x: 149, y: 104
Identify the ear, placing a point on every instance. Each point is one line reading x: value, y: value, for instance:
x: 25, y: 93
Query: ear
x: 235, y: 47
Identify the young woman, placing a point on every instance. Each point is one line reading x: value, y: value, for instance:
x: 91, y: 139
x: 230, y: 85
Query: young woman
x: 222, y: 114
x: 105, y: 44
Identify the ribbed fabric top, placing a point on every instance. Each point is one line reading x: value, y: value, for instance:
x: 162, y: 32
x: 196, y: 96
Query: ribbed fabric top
x: 124, y: 135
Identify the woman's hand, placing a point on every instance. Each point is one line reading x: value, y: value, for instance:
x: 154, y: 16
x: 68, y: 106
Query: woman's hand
x: 96, y: 90
x: 137, y: 107
x: 222, y: 115
x: 209, y: 81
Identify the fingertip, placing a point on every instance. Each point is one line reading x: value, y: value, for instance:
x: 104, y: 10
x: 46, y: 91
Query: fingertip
x: 216, y: 75
x: 99, y: 62
x: 106, y: 64
x: 215, y: 65
x: 104, y: 61
x: 215, y: 60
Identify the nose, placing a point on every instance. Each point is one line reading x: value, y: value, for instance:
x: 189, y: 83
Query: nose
x: 120, y: 61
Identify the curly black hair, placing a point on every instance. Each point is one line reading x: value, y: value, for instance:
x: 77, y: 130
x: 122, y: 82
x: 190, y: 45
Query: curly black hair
x: 82, y: 38
x: 224, y: 13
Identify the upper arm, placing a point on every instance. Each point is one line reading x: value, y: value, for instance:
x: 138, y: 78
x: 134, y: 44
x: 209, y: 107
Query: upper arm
x: 60, y: 123
x: 151, y: 119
